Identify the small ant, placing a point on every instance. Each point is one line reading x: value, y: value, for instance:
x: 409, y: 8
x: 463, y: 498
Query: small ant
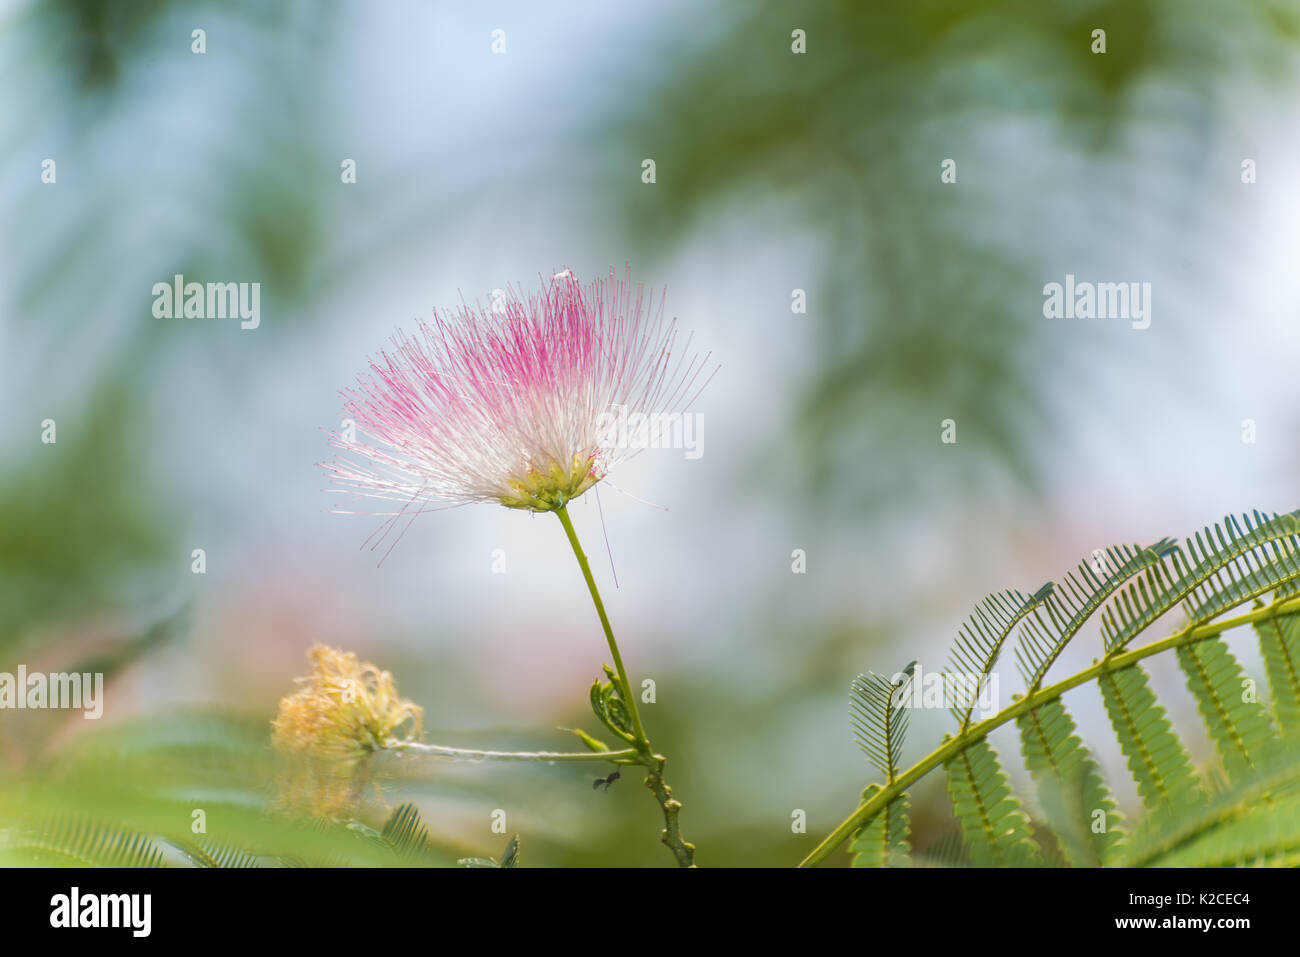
x: 605, y: 781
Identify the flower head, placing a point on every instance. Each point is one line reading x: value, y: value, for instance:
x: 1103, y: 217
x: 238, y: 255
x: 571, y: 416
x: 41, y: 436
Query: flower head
x: 511, y: 404
x: 328, y: 729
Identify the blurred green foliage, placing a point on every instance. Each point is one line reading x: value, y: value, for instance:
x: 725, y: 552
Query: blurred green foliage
x: 927, y: 300
x: 191, y: 789
x: 81, y: 524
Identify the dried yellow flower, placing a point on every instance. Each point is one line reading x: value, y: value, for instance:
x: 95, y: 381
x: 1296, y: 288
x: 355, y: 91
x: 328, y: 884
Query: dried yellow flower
x: 328, y: 730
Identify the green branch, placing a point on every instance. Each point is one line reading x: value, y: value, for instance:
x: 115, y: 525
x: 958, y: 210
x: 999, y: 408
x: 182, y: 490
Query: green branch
x: 1111, y: 663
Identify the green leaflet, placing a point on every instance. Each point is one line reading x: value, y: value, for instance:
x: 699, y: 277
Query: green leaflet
x: 1221, y: 568
x: 1264, y: 834
x: 1073, y: 795
x: 883, y: 841
x: 1253, y: 826
x: 1156, y: 757
x: 1279, y: 641
x: 608, y: 705
x: 979, y: 642
x: 995, y: 829
x: 1194, y: 837
x: 1276, y: 562
x: 1050, y: 627
x: 405, y: 833
x: 1233, y: 715
x: 220, y: 855
x: 878, y: 717
x: 67, y: 841
x: 509, y: 859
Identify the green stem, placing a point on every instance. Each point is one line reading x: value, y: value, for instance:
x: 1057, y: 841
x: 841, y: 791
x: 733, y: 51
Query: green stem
x: 1113, y: 662
x: 671, y: 836
x: 642, y: 742
x: 438, y: 750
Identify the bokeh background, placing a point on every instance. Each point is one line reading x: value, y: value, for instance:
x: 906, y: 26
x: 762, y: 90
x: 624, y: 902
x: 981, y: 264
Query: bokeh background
x: 775, y: 172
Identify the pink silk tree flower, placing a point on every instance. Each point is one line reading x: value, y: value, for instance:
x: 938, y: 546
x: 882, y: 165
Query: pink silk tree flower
x: 512, y: 404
